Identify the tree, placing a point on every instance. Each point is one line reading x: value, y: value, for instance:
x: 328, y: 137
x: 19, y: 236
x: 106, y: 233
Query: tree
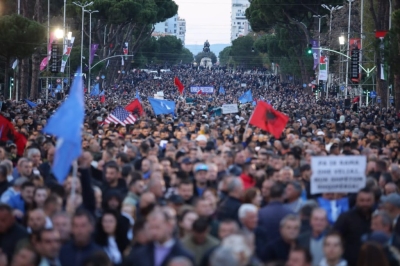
x: 170, y: 49
x: 201, y: 55
x: 20, y: 37
x: 293, y: 18
x: 130, y: 21
x: 186, y: 56
x: 392, y: 55
x: 244, y: 53
x: 225, y: 55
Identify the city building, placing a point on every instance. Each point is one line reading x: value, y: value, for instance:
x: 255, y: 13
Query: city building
x: 175, y: 26
x: 240, y: 26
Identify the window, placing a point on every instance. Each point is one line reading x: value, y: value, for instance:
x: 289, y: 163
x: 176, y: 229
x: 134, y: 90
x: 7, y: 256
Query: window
x: 174, y: 31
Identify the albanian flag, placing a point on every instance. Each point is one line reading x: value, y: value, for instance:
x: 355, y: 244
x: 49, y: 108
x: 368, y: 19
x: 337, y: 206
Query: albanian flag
x: 135, y: 107
x: 179, y: 85
x: 268, y: 119
x: 8, y: 133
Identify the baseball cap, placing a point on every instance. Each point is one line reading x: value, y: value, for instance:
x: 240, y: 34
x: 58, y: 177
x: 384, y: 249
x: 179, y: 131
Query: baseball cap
x: 201, y: 167
x: 176, y: 199
x: 392, y: 198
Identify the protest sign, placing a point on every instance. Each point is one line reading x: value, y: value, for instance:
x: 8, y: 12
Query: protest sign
x: 337, y: 174
x: 204, y: 89
x: 230, y: 108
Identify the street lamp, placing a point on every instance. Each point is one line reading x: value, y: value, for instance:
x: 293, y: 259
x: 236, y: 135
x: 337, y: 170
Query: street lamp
x: 348, y: 48
x: 331, y: 9
x: 90, y: 43
x: 59, y: 33
x: 82, y: 5
x: 319, y: 26
x: 342, y: 40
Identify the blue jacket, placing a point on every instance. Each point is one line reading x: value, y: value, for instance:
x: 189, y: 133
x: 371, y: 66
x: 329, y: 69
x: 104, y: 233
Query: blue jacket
x: 71, y: 255
x: 17, y: 202
x: 269, y: 218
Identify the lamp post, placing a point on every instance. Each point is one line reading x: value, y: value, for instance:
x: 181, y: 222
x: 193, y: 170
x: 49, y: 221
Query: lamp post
x: 342, y: 41
x: 331, y: 9
x: 90, y: 43
x: 82, y: 5
x: 319, y: 35
x: 348, y: 49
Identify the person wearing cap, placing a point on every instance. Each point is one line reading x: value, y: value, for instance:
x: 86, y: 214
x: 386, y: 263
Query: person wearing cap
x: 200, y: 179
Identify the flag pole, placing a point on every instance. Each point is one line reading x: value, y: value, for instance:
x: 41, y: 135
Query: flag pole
x: 248, y: 122
x: 74, y: 177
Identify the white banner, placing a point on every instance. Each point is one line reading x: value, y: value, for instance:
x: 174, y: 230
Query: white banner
x: 205, y: 89
x: 338, y: 174
x: 229, y: 108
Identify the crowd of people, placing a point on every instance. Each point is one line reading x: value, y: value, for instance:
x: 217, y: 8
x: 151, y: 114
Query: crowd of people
x: 201, y: 188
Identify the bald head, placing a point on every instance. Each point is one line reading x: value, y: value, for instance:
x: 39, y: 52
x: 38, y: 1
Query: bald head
x: 180, y: 261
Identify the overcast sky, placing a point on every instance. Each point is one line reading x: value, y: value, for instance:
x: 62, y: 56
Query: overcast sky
x: 206, y: 19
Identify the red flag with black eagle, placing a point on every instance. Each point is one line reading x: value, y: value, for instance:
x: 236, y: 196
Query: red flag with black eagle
x: 8, y: 133
x: 135, y: 107
x: 268, y: 119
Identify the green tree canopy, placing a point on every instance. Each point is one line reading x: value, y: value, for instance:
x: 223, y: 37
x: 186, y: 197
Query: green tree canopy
x: 186, y: 56
x: 20, y: 36
x: 244, y: 53
x: 170, y: 49
x: 225, y: 55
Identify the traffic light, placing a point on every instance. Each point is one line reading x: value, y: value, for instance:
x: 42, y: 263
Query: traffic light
x: 309, y: 49
x: 55, y: 54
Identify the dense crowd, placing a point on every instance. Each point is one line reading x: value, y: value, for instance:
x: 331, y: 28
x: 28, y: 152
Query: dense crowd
x: 201, y: 188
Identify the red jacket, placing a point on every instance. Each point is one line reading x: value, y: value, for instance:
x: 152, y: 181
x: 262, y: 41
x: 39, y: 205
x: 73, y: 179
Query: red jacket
x: 247, y: 181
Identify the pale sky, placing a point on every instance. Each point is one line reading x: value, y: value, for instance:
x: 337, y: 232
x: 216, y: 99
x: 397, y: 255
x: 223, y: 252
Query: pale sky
x: 206, y: 19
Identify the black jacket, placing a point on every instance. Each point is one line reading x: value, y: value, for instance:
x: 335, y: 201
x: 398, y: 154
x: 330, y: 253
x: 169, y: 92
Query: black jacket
x: 10, y: 239
x: 352, y: 225
x: 228, y: 210
x: 276, y: 251
x: 144, y: 256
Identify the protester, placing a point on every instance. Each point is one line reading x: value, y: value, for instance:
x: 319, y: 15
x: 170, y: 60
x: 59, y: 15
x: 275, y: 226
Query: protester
x: 183, y: 182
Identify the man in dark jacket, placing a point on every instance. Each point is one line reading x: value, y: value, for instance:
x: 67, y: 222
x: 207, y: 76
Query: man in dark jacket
x: 112, y: 180
x: 228, y: 210
x: 279, y: 249
x: 270, y: 216
x: 81, y: 246
x: 10, y: 232
x: 163, y: 248
x: 355, y: 223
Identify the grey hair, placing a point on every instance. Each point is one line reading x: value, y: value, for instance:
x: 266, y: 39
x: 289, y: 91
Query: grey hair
x: 246, y: 208
x: 385, y: 217
x: 289, y: 217
x: 235, y: 182
x: 32, y: 152
x: 180, y: 261
x: 223, y: 256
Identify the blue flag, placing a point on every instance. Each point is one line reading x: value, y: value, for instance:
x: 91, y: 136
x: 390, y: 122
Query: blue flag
x: 137, y: 96
x: 30, y: 104
x: 162, y: 106
x: 66, y: 125
x: 101, y: 93
x: 221, y: 90
x: 254, y: 103
x: 95, y: 91
x: 246, y: 97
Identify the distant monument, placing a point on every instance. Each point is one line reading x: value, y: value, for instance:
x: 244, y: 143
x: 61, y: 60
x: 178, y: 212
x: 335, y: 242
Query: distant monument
x: 206, y: 61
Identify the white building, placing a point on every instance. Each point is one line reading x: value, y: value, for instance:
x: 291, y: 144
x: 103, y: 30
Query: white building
x: 173, y: 26
x: 240, y: 26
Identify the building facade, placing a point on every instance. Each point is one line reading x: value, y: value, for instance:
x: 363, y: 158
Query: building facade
x: 240, y: 26
x: 174, y: 26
